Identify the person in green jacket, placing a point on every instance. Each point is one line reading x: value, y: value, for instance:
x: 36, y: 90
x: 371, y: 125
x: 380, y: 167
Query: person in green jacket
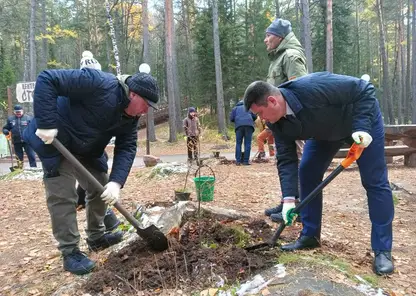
x: 287, y: 62
x: 287, y: 57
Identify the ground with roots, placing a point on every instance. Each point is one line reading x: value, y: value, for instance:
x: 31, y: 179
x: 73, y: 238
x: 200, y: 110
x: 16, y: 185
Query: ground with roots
x: 31, y: 265
x: 203, y: 251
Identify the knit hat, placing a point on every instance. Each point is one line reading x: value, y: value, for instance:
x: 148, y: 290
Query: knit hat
x: 88, y: 61
x: 191, y: 109
x: 280, y: 28
x: 145, y: 86
x: 17, y: 107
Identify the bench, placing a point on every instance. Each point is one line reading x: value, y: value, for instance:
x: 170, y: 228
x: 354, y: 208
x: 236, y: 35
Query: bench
x: 393, y: 134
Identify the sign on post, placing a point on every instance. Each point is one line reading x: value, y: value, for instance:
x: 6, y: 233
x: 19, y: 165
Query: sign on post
x: 24, y: 92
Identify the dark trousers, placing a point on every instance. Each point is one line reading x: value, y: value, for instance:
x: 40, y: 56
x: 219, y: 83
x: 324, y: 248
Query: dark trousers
x: 18, y: 149
x: 243, y: 133
x: 317, y: 156
x: 192, y: 146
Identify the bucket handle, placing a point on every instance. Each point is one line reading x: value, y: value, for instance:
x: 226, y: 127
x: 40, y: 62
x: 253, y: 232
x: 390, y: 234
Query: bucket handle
x: 199, y: 168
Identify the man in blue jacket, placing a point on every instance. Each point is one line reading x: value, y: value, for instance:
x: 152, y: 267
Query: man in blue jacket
x: 244, y: 128
x: 16, y: 125
x: 327, y: 110
x: 84, y: 109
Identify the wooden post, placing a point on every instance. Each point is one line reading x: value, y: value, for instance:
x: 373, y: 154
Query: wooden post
x: 9, y: 101
x: 410, y: 160
x: 389, y: 159
x: 147, y: 135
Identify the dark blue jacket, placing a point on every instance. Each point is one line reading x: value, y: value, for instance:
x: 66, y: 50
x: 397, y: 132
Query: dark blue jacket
x: 87, y: 107
x: 241, y: 117
x: 327, y: 107
x: 17, y: 126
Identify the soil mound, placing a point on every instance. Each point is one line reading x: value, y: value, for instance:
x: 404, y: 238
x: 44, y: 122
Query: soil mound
x: 202, y: 252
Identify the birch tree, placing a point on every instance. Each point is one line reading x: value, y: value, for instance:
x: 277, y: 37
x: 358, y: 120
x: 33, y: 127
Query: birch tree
x: 169, y: 69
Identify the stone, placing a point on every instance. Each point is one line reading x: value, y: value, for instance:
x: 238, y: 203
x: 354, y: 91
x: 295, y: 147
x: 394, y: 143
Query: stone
x: 150, y: 160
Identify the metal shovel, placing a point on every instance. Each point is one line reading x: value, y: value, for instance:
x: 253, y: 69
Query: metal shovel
x: 151, y: 235
x: 353, y: 154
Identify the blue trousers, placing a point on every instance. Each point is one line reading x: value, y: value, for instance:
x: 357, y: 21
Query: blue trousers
x: 317, y: 157
x: 243, y: 133
x: 18, y: 149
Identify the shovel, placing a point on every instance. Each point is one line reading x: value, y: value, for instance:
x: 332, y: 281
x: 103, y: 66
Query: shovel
x: 353, y: 154
x: 151, y: 235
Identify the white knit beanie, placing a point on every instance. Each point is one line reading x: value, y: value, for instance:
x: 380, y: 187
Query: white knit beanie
x: 88, y: 61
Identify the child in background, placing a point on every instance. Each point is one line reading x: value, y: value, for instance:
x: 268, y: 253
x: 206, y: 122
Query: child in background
x: 192, y: 131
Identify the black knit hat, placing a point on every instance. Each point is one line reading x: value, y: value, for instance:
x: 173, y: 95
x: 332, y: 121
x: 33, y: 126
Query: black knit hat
x: 279, y: 27
x: 145, y: 86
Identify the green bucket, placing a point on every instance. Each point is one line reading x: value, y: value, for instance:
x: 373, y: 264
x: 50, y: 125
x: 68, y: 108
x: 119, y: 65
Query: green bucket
x: 205, y: 188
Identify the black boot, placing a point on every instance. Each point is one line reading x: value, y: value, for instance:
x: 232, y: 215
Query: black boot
x: 107, y: 240
x: 383, y: 263
x: 275, y: 210
x: 303, y: 243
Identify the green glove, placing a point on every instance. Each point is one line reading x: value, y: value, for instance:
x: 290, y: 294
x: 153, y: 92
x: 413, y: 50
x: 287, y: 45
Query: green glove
x: 287, y: 211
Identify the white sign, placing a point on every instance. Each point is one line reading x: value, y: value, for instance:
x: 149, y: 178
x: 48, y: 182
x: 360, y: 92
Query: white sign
x: 24, y: 92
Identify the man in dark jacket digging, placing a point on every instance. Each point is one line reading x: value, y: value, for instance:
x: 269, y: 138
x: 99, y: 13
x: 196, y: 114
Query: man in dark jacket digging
x: 84, y: 109
x: 327, y: 109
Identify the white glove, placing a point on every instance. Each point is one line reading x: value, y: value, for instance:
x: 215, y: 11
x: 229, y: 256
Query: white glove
x: 46, y: 135
x: 288, y: 204
x: 362, y: 138
x: 111, y: 193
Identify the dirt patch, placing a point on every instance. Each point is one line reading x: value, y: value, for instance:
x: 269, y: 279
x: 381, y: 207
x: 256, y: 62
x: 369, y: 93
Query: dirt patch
x: 202, y: 252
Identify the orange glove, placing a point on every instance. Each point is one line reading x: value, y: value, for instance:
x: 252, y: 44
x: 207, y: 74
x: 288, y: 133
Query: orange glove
x: 9, y: 136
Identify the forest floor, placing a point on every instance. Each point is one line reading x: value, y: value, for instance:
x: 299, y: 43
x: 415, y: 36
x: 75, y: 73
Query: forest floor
x: 30, y: 264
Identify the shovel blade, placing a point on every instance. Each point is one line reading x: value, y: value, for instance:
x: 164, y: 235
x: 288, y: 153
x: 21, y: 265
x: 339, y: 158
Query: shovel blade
x: 256, y: 247
x: 154, y: 238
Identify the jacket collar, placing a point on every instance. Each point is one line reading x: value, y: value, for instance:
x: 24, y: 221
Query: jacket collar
x: 282, y: 45
x: 291, y: 99
x: 122, y: 81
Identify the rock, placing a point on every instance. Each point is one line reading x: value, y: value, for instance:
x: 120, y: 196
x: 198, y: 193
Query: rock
x: 209, y: 292
x: 150, y: 160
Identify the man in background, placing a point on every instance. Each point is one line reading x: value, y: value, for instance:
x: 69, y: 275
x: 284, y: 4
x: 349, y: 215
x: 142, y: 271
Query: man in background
x: 244, y: 128
x: 16, y: 125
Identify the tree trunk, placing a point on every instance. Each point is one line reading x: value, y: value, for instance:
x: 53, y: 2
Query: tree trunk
x: 277, y: 8
x: 222, y: 128
x: 44, y: 48
x: 32, y: 44
x: 178, y: 109
x: 150, y: 122
x: 169, y: 69
x: 399, y: 63
x: 329, y: 40
x: 414, y: 62
x: 408, y: 96
x: 388, y: 117
x: 113, y: 38
x: 307, y: 33
x: 188, y: 48
x: 357, y: 41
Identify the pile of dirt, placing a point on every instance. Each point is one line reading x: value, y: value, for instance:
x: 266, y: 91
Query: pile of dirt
x: 202, y: 252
